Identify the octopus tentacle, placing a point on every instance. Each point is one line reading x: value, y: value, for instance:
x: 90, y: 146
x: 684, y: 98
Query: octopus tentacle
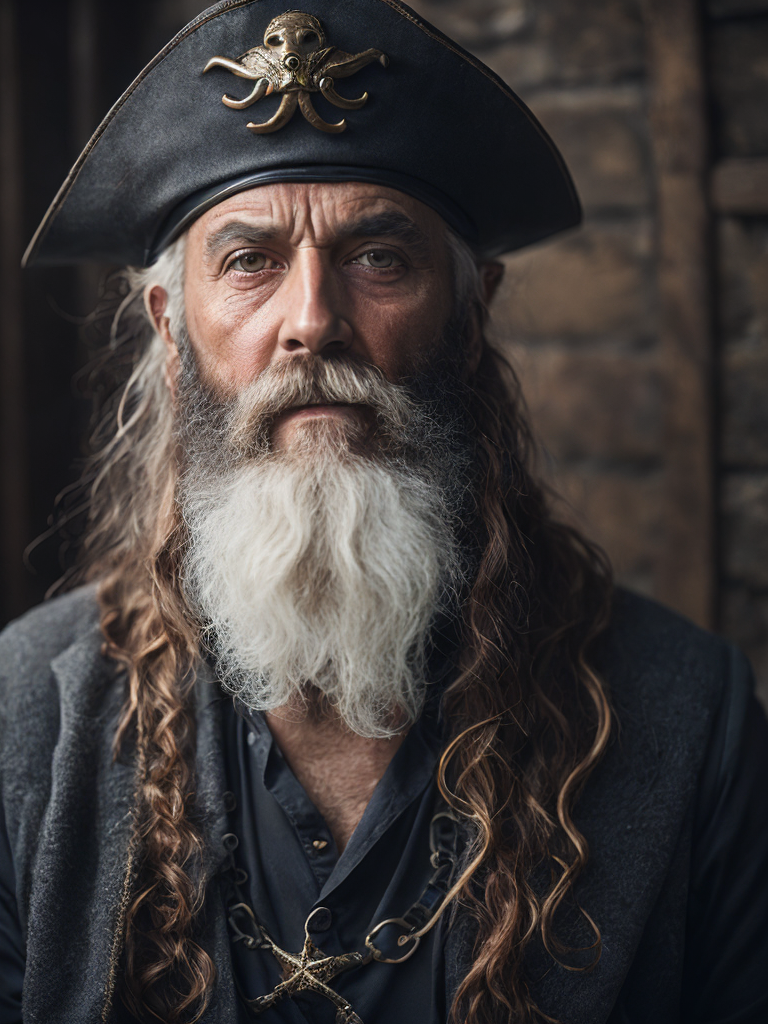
x: 282, y: 117
x: 233, y: 66
x: 328, y: 90
x: 262, y: 88
x: 342, y: 65
x: 314, y: 118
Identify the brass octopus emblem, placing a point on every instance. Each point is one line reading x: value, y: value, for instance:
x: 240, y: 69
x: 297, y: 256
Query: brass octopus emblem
x: 295, y: 62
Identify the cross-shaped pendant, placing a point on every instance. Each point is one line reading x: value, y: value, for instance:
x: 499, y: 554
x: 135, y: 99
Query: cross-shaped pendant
x: 309, y: 971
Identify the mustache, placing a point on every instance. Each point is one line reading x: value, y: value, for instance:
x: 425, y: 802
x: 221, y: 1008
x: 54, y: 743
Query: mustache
x: 312, y: 380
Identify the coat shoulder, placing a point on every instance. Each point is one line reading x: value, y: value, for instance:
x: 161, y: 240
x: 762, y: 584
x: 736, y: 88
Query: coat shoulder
x: 49, y: 628
x: 680, y: 694
x: 653, y: 656
x: 640, y: 620
x: 31, y: 644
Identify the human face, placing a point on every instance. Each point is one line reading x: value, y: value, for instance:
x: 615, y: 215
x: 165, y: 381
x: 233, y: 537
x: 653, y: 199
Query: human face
x: 280, y: 271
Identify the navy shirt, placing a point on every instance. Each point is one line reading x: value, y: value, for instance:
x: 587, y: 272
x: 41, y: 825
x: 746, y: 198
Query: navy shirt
x: 293, y: 868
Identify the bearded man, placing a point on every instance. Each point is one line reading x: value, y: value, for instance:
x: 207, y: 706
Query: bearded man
x: 343, y: 725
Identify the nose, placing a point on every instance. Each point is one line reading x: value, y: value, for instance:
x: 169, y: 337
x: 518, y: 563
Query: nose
x: 313, y: 315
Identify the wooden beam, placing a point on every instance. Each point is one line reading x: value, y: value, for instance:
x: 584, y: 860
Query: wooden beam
x: 14, y: 525
x: 740, y: 186
x: 685, y: 575
x: 726, y: 9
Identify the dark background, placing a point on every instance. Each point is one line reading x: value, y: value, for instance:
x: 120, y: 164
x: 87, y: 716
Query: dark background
x: 642, y: 339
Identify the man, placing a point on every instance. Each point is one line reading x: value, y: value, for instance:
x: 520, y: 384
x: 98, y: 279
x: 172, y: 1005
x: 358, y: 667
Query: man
x: 344, y: 725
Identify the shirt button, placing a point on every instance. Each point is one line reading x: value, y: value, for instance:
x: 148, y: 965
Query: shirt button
x: 320, y: 920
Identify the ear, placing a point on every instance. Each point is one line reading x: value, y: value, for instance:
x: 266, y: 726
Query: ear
x: 491, y: 274
x: 473, y: 346
x: 156, y: 302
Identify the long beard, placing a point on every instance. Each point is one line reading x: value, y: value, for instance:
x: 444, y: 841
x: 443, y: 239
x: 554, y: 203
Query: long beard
x: 322, y: 567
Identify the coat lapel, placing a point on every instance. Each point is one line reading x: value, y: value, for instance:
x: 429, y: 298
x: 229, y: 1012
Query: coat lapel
x: 73, y: 840
x: 211, y: 775
x: 75, y: 880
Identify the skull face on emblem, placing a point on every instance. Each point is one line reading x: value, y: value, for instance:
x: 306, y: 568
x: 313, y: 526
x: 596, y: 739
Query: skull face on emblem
x: 295, y: 61
x: 293, y: 36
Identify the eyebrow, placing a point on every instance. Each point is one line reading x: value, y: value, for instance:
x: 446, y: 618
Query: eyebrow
x: 390, y: 224
x: 240, y: 232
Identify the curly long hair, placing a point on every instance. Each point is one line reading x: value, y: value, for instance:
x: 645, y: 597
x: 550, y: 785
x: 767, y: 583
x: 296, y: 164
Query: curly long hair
x: 528, y: 716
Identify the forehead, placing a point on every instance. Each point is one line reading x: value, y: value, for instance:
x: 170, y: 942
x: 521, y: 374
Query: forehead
x: 321, y: 211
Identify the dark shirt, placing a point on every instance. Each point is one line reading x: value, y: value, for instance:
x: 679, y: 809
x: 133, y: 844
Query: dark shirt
x: 293, y: 868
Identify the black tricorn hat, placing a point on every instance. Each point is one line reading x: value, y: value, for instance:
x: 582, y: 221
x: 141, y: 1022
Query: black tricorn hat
x: 249, y: 93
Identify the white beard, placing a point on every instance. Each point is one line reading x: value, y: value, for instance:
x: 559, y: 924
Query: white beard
x: 322, y: 565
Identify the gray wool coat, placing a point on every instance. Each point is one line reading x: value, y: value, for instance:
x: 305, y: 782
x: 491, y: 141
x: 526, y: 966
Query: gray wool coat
x: 666, y: 858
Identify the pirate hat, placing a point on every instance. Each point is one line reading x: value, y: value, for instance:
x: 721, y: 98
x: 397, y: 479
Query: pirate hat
x: 343, y: 90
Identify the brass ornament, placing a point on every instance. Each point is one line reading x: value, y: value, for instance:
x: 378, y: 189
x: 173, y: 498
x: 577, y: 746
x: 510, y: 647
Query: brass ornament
x: 295, y: 62
x: 311, y: 970
x: 307, y: 971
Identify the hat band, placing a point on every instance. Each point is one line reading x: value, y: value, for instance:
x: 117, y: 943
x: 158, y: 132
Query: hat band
x: 197, y: 204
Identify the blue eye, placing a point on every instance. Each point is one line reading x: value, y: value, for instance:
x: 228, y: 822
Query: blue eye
x: 249, y: 262
x: 379, y: 259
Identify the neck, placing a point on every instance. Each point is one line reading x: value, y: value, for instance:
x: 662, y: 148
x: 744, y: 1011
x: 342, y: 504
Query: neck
x: 338, y: 769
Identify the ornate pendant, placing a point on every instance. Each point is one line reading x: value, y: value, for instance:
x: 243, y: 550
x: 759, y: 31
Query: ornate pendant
x: 398, y: 938
x: 307, y: 971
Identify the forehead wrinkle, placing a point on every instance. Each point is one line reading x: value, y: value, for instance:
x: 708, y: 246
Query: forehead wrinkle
x: 382, y: 224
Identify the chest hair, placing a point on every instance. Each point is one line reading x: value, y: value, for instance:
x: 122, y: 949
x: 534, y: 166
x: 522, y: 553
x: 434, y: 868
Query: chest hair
x: 338, y: 769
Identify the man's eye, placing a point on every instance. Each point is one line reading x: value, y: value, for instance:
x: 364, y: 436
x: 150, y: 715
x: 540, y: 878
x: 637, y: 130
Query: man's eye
x: 380, y: 259
x: 250, y: 262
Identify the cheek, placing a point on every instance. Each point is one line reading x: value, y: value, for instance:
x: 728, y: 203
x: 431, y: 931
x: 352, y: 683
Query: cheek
x: 231, y: 343
x: 399, y: 339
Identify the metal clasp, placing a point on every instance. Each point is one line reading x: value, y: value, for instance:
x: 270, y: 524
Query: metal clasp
x: 253, y: 941
x: 401, y: 941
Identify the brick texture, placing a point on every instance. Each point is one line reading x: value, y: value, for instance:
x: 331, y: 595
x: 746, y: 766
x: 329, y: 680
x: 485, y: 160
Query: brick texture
x: 603, y: 136
x: 593, y: 284
x: 743, y: 276
x: 579, y: 316
x: 599, y: 405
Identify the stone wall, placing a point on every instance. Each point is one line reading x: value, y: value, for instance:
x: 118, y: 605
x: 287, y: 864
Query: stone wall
x: 738, y: 53
x: 579, y: 316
